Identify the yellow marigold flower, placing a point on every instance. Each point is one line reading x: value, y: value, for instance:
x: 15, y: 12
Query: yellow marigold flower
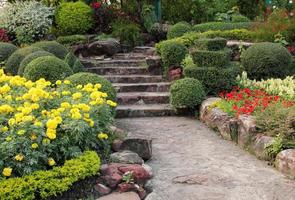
x: 86, y: 115
x: 105, y: 95
x: 33, y: 136
x: 111, y: 103
x: 52, y: 123
x: 67, y: 82
x: 28, y: 118
x: 97, y: 86
x: 29, y: 84
x: 79, y: 86
x: 8, y: 139
x: 45, y: 141
x: 66, y: 92
x: 4, y: 89
x: 37, y: 123
x: 21, y: 132
x: 7, y: 171
x: 58, y: 82
x: 92, y: 103
x: 77, y: 95
x: 4, y: 129
x: 35, y: 145
x: 102, y: 136
x: 51, y: 162
x: 51, y: 134
x: 26, y: 110
x: 19, y: 157
x: 65, y: 105
x: 8, y: 98
x: 35, y: 106
x: 91, y: 123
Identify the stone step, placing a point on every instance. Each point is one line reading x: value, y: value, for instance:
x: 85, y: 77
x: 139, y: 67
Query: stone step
x: 150, y: 110
x: 137, y: 78
x: 144, y: 50
x: 129, y: 56
x: 141, y: 98
x: 118, y: 70
x: 142, y: 87
x: 90, y: 63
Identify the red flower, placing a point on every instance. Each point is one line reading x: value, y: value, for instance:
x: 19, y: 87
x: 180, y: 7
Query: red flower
x: 96, y: 5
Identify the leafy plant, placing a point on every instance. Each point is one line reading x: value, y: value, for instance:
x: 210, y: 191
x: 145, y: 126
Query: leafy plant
x: 128, y: 177
x: 6, y: 49
x: 178, y: 30
x: 279, y: 38
x: 103, y: 16
x: 149, y: 17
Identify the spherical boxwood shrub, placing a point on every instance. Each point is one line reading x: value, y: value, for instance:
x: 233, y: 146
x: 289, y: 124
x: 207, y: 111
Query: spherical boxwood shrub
x: 53, y: 47
x: 74, y: 62
x: 74, y: 18
x: 30, y: 58
x: 6, y: 49
x: 16, y: 58
x: 178, y: 30
x: 48, y: 67
x: 84, y: 78
x: 186, y: 93
x: 211, y: 44
x: 205, y: 58
x: 266, y: 60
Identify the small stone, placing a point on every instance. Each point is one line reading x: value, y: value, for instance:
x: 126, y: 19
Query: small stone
x: 121, y: 134
x: 139, y: 173
x: 116, y: 146
x: 126, y: 157
x: 112, y: 180
x: 149, y: 186
x: 141, y: 146
x: 121, y: 196
x: 102, y: 189
x: 126, y: 187
x: 285, y: 162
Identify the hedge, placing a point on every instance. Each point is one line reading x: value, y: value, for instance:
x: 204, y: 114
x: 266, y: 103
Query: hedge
x: 205, y: 58
x: 53, y: 47
x: 222, y: 26
x: 44, y: 184
x: 211, y: 44
x: 6, y: 49
x: 72, y: 39
x: 178, y: 30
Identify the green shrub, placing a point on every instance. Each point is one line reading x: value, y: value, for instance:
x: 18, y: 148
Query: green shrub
x: 215, y: 80
x: 48, y: 67
x: 45, y: 184
x: 74, y: 62
x: 16, y: 58
x: 84, y: 78
x: 213, y: 44
x: 204, y: 58
x: 74, y: 18
x: 178, y: 30
x: 53, y: 47
x: 236, y: 34
x: 266, y: 60
x: 6, y: 49
x: 71, y: 40
x: 149, y: 17
x: 239, y: 18
x: 222, y: 26
x: 186, y: 93
x: 187, y: 61
x: 173, y: 53
x: 30, y: 58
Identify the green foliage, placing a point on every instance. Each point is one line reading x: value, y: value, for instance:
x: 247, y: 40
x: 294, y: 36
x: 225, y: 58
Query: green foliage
x: 222, y: 26
x: 240, y: 18
x: 71, y: 40
x: 30, y: 58
x: 211, y: 44
x: 6, y: 49
x: 74, y: 63
x: 127, y: 32
x: 249, y: 8
x: 236, y: 34
x: 173, y: 53
x: 84, y: 78
x: 215, y: 80
x: 45, y: 184
x: 178, y: 30
x: 266, y: 60
x: 159, y: 31
x: 74, y: 18
x: 53, y: 47
x: 16, y: 58
x: 149, y: 17
x: 48, y: 67
x: 205, y: 58
x: 186, y: 93
x: 188, y: 62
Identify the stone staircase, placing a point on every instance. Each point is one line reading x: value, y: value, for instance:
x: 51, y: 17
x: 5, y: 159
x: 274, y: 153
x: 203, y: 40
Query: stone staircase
x: 140, y: 92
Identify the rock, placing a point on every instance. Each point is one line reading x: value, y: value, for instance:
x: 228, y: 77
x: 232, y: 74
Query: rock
x: 141, y: 146
x: 121, y: 196
x: 126, y: 157
x: 175, y: 73
x: 116, y: 146
x: 141, y: 193
x: 285, y: 162
x: 139, y: 173
x: 217, y: 119
x: 153, y: 196
x: 118, y: 132
x: 112, y: 180
x: 111, y: 175
x: 102, y: 189
x: 258, y: 146
x: 148, y: 169
x: 246, y: 130
x: 104, y: 47
x: 154, y: 64
x: 126, y: 187
x: 149, y: 186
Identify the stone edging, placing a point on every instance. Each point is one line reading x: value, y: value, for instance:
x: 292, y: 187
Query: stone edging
x: 242, y: 130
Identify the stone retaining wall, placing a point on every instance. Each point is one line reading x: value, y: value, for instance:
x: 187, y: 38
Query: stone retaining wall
x: 242, y: 130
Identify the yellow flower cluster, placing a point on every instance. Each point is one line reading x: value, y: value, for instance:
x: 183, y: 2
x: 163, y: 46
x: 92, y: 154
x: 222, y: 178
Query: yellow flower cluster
x: 40, y: 113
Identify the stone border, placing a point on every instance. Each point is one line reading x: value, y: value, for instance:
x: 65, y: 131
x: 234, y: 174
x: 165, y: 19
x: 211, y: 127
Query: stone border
x: 242, y: 131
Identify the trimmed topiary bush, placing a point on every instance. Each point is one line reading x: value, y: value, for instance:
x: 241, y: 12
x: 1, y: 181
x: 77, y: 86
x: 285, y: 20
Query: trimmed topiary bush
x: 205, y: 58
x: 53, y: 47
x: 239, y: 18
x: 16, y: 58
x: 74, y: 18
x: 72, y: 39
x: 30, y: 58
x: 74, y: 62
x: 84, y: 78
x: 222, y: 26
x: 211, y: 44
x: 6, y: 49
x: 266, y: 60
x: 215, y: 80
x: 178, y: 30
x: 48, y: 67
x: 186, y: 93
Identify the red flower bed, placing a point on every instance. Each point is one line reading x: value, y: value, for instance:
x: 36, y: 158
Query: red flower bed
x: 247, y: 101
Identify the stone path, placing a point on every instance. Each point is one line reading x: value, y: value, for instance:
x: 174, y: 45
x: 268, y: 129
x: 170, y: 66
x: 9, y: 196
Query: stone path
x: 192, y: 163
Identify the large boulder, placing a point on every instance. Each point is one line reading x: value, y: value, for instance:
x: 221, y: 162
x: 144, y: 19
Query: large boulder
x: 246, y: 130
x: 259, y: 144
x: 285, y: 162
x: 126, y: 157
x: 141, y: 146
x: 104, y: 47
